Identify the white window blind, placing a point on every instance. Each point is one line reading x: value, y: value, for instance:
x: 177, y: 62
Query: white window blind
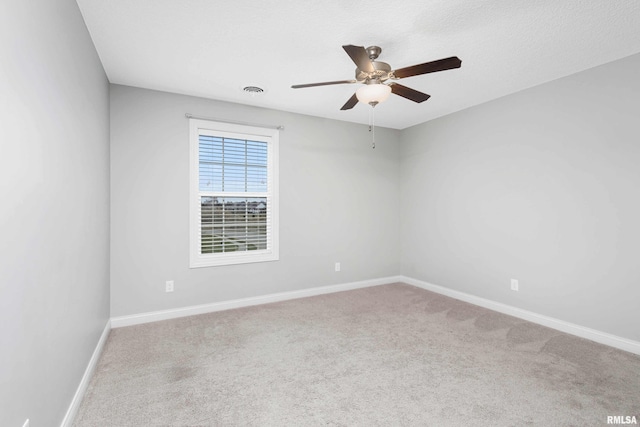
x: 233, y: 192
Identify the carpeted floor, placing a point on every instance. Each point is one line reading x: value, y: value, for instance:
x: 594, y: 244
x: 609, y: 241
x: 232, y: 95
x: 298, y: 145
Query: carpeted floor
x: 391, y: 355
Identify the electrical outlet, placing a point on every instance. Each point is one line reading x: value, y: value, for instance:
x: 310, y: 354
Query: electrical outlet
x: 514, y: 285
x: 169, y: 286
x: 26, y: 423
x: 337, y: 266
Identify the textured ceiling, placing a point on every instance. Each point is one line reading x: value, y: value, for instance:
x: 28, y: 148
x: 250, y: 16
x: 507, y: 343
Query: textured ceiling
x: 215, y: 48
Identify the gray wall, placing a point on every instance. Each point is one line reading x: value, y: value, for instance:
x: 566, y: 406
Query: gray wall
x: 540, y: 186
x: 54, y: 220
x: 339, y: 201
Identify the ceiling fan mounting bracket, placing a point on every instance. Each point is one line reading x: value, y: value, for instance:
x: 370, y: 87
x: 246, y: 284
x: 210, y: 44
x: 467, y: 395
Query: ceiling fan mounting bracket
x: 373, y: 52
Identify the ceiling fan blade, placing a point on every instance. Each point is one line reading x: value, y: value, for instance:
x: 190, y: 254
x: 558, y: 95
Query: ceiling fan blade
x: 350, y: 103
x: 360, y: 56
x: 337, y: 82
x: 428, y: 67
x: 407, y: 92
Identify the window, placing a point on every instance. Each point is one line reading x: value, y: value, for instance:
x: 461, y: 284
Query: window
x: 234, y: 194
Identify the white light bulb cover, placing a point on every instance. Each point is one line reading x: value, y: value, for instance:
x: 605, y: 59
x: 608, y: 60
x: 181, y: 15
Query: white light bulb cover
x: 373, y: 93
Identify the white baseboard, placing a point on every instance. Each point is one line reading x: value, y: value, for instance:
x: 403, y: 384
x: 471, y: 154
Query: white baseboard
x: 154, y: 316
x: 560, y: 325
x: 70, y: 416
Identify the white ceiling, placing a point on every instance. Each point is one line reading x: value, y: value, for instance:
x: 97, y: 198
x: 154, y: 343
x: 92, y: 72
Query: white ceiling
x: 213, y: 48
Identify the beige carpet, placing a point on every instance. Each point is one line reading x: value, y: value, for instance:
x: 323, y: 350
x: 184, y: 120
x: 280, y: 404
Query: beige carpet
x: 392, y: 355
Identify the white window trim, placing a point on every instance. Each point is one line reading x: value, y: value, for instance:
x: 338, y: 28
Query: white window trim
x: 268, y: 135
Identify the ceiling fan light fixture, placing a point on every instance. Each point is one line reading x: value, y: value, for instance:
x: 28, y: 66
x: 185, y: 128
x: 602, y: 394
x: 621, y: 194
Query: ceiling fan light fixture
x: 373, y: 93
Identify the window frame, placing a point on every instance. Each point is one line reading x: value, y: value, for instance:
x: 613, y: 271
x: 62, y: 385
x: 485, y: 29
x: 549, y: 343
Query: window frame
x: 243, y: 132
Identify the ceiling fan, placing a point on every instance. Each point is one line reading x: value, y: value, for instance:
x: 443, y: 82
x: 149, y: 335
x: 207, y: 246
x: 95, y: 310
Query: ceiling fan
x: 374, y: 74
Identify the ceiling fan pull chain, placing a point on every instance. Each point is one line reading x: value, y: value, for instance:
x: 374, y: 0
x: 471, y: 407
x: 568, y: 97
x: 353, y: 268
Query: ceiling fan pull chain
x: 373, y: 127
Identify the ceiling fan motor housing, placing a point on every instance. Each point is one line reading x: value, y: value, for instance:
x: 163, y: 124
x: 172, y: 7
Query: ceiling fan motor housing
x: 381, y: 72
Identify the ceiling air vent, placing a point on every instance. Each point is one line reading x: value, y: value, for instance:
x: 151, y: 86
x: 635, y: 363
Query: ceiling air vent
x: 253, y: 90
